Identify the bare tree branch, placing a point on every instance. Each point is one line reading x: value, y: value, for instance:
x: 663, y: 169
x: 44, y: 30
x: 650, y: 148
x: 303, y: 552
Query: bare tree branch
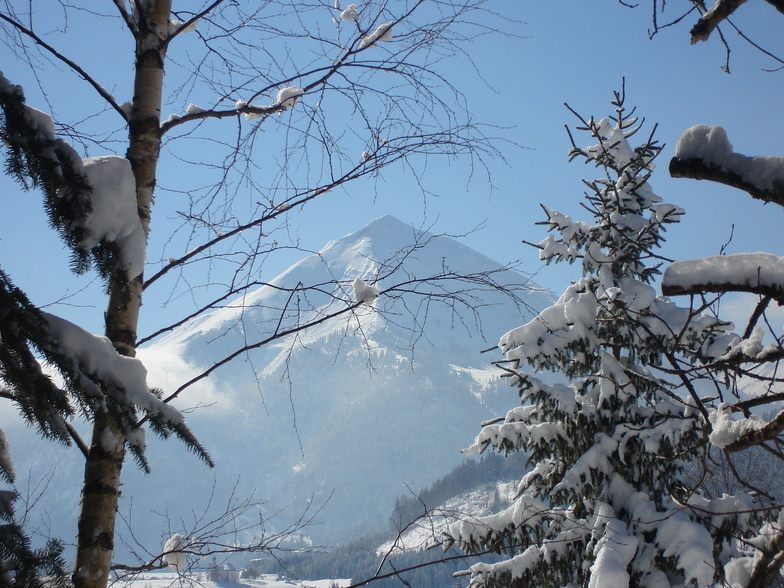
x: 712, y: 18
x: 126, y: 16
x: 410, y: 286
x: 77, y: 439
x: 757, y: 273
x: 697, y: 169
x: 74, y: 66
x: 709, y: 21
x: 194, y: 19
x: 767, y: 564
x: 769, y: 431
x: 233, y: 526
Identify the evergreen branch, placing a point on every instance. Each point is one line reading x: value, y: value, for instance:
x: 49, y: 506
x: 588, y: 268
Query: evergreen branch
x: 36, y: 156
x: 41, y: 402
x: 25, y: 328
x: 77, y: 439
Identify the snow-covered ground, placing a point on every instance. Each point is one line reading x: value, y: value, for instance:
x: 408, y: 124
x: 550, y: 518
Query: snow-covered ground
x: 172, y: 580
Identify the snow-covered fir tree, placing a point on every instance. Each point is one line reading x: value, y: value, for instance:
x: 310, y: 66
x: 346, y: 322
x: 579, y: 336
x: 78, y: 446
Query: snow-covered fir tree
x: 604, y: 503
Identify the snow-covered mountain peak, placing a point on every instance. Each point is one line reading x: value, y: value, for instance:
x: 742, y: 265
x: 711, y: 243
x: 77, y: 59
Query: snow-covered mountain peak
x: 362, y: 254
x: 390, y: 233
x: 379, y: 246
x: 384, y: 253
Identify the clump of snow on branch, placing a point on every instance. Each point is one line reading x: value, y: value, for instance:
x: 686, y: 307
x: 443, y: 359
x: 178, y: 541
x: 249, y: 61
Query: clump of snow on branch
x: 173, y: 554
x: 194, y: 109
x: 350, y: 13
x: 287, y: 97
x: 114, y: 215
x: 179, y: 26
x: 728, y: 430
x: 747, y: 270
x: 711, y: 145
x: 751, y: 348
x: 691, y: 544
x: 41, y: 121
x: 363, y: 293
x: 95, y: 355
x: 382, y: 33
x: 614, y: 551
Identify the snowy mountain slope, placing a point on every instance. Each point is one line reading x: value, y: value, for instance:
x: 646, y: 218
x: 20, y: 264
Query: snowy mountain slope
x: 351, y: 411
x: 337, y: 421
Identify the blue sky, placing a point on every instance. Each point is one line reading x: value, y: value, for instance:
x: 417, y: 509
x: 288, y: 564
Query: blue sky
x: 560, y: 51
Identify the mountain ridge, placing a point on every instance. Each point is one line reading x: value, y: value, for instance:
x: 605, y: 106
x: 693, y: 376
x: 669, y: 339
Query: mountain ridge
x: 376, y: 250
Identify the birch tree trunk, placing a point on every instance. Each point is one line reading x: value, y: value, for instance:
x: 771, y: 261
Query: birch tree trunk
x: 105, y: 459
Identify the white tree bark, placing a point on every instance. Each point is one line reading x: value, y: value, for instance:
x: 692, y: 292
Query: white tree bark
x: 104, y: 463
